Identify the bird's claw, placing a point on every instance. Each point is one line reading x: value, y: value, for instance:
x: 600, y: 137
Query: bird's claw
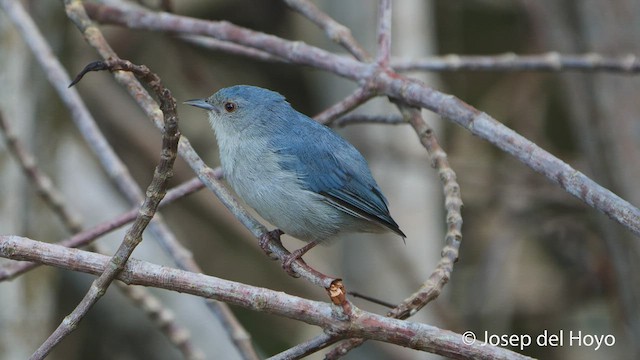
x: 288, y: 261
x: 267, y: 238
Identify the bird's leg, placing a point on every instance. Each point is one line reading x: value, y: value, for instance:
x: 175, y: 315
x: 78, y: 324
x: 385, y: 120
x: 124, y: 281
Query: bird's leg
x: 295, y: 255
x: 266, y: 238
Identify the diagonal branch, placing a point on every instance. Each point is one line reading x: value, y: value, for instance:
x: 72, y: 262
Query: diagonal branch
x: 355, y: 99
x: 417, y: 94
x: 307, y: 348
x: 12, y: 270
x: 114, y: 167
x: 334, y: 30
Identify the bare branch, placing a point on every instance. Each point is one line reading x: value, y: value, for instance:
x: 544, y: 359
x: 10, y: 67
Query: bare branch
x: 417, y: 94
x: 434, y: 284
x: 42, y: 183
x: 371, y: 326
x: 231, y: 48
x: 155, y: 192
x: 551, y: 61
x: 352, y: 119
x: 148, y: 303
x: 183, y: 257
x: 384, y: 33
x: 296, y: 52
x: 334, y: 30
x: 87, y: 236
x: 306, y: 348
x: 357, y: 98
x: 59, y: 79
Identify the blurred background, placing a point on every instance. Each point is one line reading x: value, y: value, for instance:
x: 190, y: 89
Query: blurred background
x: 533, y: 258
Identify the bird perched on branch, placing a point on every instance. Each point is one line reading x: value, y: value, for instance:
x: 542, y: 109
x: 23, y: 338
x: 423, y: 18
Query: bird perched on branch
x: 296, y: 173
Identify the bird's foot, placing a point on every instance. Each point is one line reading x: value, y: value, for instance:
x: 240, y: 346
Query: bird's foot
x: 288, y: 260
x: 268, y: 237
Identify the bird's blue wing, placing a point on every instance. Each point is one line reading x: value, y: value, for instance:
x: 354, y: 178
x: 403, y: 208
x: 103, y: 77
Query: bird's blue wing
x: 328, y: 165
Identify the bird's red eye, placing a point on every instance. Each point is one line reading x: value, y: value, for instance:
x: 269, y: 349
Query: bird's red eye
x: 230, y: 106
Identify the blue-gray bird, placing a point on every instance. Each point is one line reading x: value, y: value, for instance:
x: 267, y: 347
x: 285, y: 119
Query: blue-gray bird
x: 296, y: 173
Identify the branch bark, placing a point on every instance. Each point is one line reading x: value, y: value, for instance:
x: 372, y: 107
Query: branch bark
x: 363, y: 324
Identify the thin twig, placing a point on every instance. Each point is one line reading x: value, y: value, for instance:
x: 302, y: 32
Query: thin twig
x: 351, y: 119
x: 87, y: 236
x: 372, y: 326
x: 306, y: 348
x: 41, y: 182
x: 372, y: 299
x: 164, y: 319
x: 551, y: 61
x: 231, y: 48
x: 155, y: 192
x: 151, y: 306
x: 452, y: 203
x: 334, y: 30
x: 59, y: 79
x: 384, y: 33
x: 355, y: 99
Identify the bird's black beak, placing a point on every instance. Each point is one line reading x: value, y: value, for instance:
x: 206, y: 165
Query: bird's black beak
x: 202, y: 104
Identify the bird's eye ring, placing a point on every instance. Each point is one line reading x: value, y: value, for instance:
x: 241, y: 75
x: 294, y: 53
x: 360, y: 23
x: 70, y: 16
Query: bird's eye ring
x: 230, y: 106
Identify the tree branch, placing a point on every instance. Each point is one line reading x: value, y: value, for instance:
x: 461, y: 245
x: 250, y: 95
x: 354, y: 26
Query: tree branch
x: 551, y: 61
x: 371, y: 326
x: 87, y: 236
x: 161, y: 316
x: 434, y: 284
x: 236, y: 332
x: 334, y: 30
x: 389, y: 83
x: 355, y: 99
x: 155, y: 192
x: 384, y: 33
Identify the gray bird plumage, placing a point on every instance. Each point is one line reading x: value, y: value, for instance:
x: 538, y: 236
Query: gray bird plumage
x: 297, y: 174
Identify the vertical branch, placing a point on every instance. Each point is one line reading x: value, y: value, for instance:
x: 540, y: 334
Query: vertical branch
x: 453, y: 205
x: 155, y: 192
x: 384, y: 33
